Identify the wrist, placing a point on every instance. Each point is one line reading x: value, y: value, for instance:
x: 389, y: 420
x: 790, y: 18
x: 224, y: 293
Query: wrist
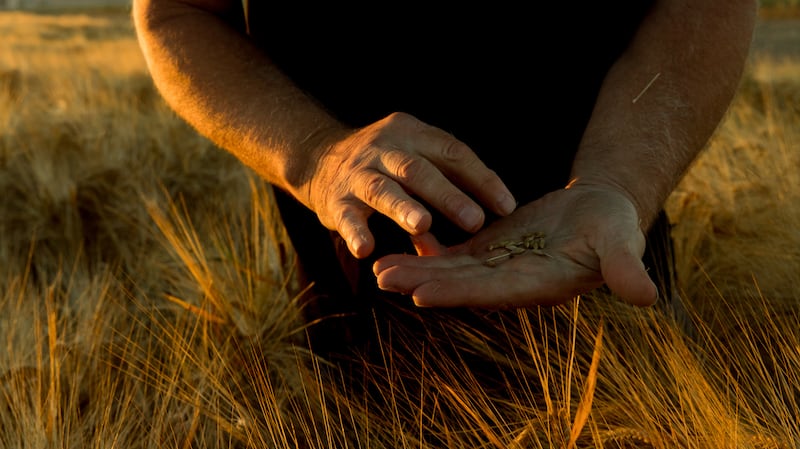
x: 306, y: 156
x: 645, y: 212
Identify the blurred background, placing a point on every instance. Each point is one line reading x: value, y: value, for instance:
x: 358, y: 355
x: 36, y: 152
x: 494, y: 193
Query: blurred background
x: 147, y: 298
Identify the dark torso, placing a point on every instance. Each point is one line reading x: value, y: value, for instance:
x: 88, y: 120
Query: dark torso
x: 514, y: 85
x: 517, y: 86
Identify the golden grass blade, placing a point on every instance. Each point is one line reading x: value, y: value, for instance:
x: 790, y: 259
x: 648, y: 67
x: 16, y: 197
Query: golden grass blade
x: 54, y: 392
x: 95, y: 355
x: 204, y: 314
x: 585, y: 407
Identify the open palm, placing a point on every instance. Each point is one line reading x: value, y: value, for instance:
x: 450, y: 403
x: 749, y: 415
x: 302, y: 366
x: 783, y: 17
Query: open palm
x: 591, y: 237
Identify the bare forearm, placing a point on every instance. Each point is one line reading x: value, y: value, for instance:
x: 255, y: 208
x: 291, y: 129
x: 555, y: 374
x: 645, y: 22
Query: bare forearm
x: 664, y: 98
x: 229, y: 91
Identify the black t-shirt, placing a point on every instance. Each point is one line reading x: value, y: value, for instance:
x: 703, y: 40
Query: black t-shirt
x: 516, y: 84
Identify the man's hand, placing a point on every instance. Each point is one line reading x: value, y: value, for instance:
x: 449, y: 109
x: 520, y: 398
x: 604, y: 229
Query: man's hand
x: 384, y: 167
x: 233, y: 94
x: 592, y: 236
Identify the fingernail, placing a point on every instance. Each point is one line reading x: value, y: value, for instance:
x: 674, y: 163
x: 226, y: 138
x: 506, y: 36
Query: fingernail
x: 413, y: 219
x: 355, y: 245
x: 470, y: 217
x: 420, y: 304
x: 506, y: 204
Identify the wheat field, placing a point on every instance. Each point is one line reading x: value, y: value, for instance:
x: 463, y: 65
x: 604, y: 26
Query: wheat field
x: 147, y: 298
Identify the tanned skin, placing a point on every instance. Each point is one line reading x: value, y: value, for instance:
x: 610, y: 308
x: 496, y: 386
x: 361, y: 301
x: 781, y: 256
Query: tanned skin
x: 659, y: 105
x: 231, y: 93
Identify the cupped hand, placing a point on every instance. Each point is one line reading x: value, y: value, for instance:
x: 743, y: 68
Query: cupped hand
x: 591, y: 237
x: 390, y: 167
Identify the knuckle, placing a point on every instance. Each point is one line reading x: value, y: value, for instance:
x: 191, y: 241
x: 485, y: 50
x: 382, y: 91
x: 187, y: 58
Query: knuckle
x: 399, y: 118
x: 455, y: 151
x: 409, y: 169
x: 348, y: 219
x: 342, y: 219
x: 453, y: 201
x: 488, y: 180
x: 339, y: 220
x: 378, y: 195
x: 331, y: 219
x: 375, y: 188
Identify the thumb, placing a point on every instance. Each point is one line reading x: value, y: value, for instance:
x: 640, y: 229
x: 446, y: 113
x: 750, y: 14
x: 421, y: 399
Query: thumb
x: 624, y: 273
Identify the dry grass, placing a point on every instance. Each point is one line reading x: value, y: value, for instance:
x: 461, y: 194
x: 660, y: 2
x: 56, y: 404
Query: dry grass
x: 147, y: 299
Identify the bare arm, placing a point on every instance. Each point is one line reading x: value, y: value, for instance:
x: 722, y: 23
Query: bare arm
x: 659, y: 104
x: 664, y: 98
x: 228, y: 90
x: 222, y: 85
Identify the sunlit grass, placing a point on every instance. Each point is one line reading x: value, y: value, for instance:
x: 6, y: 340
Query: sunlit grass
x: 147, y: 298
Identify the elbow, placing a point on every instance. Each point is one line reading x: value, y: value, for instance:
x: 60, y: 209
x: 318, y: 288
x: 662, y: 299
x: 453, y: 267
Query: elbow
x: 152, y: 14
x: 149, y: 15
x: 746, y: 10
x: 145, y: 13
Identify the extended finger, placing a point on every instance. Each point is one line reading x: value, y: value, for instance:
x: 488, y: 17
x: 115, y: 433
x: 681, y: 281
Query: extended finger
x: 424, y: 179
x: 422, y: 262
x: 461, y: 165
x: 386, y: 196
x: 487, y: 288
x: 461, y: 282
x: 352, y: 226
x: 407, y: 278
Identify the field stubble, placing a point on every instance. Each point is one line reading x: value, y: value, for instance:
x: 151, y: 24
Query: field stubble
x: 148, y: 300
